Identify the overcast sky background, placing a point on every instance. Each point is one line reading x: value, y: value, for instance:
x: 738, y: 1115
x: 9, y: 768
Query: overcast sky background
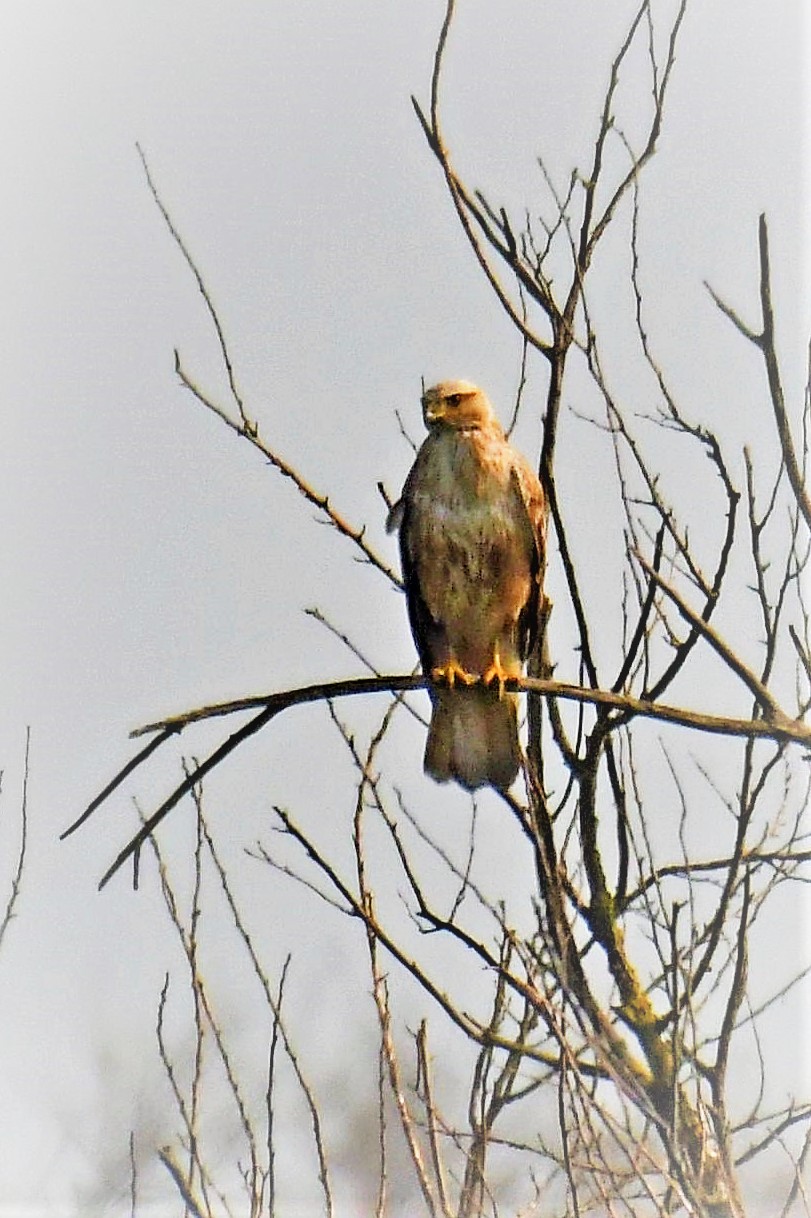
x: 150, y: 562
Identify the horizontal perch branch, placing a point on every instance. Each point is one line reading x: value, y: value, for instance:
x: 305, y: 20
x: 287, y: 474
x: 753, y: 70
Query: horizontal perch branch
x: 778, y: 727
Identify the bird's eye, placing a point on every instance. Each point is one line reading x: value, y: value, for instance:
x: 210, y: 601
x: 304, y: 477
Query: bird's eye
x: 453, y: 399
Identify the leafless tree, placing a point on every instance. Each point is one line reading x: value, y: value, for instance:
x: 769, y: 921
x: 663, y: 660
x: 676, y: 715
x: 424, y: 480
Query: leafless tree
x: 609, y: 1006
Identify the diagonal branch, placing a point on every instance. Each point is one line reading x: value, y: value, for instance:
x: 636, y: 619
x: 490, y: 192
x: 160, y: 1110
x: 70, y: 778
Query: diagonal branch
x: 243, y: 424
x: 761, y: 694
x: 322, y: 502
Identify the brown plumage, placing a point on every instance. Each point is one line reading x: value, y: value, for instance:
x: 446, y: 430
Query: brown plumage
x: 472, y: 521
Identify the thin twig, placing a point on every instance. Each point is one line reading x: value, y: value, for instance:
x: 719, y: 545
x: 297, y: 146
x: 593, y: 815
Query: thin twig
x: 274, y: 1040
x: 762, y: 695
x: 16, y: 881
x: 765, y: 341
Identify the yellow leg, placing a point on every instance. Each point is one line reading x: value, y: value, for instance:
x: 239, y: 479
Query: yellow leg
x: 448, y: 674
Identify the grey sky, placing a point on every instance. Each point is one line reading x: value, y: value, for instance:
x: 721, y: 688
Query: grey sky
x: 150, y: 562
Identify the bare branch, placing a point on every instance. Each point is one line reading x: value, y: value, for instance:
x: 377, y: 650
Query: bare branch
x: 16, y: 881
x: 320, y: 501
x: 757, y: 688
x: 194, y: 1205
x: 777, y: 726
x: 765, y: 341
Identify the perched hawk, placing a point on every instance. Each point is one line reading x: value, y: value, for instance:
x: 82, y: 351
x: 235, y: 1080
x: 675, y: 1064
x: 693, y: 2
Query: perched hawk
x: 472, y: 540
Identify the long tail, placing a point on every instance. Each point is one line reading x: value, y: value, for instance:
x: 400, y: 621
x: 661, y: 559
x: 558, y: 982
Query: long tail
x: 473, y: 738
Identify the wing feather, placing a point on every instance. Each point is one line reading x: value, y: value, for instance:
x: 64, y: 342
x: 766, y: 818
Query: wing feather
x: 533, y: 504
x: 428, y: 633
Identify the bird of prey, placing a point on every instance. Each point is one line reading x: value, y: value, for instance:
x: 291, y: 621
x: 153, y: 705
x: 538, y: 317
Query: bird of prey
x: 472, y: 522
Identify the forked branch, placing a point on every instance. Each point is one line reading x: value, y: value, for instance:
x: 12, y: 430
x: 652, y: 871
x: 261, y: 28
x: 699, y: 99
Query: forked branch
x: 765, y: 341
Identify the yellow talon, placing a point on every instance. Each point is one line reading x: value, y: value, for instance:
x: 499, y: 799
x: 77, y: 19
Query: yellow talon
x: 448, y: 674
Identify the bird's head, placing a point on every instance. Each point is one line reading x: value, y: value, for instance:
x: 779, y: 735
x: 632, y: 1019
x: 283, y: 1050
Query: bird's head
x: 456, y: 404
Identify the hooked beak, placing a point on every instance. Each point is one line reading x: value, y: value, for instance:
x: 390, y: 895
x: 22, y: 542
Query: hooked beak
x: 433, y: 409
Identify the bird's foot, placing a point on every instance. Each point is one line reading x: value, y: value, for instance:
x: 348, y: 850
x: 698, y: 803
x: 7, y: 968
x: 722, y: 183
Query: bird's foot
x: 496, y: 674
x: 448, y: 674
